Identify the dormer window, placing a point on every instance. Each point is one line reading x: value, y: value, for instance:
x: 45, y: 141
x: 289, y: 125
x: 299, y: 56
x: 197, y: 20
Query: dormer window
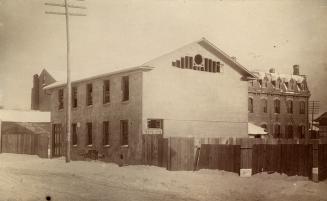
x: 286, y: 85
x: 273, y: 83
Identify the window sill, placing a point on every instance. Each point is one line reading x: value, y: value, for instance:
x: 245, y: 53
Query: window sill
x: 125, y: 102
x: 124, y: 146
x: 106, y: 104
x: 89, y: 145
x: 107, y: 146
x: 75, y: 145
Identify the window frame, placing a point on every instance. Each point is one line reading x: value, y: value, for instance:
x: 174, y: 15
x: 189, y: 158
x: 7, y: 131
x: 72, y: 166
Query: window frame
x: 106, y: 133
x: 125, y: 83
x: 89, y: 94
x: 250, y: 105
x: 74, y: 97
x: 60, y: 99
x: 89, y: 132
x: 106, y: 91
x: 74, y: 134
x: 124, y: 131
x: 277, y: 106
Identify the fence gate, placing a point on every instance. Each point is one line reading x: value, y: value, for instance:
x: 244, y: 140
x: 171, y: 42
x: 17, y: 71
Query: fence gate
x: 220, y: 156
x: 56, y: 140
x: 180, y: 153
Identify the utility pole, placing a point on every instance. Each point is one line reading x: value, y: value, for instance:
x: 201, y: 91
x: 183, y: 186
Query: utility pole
x: 67, y: 7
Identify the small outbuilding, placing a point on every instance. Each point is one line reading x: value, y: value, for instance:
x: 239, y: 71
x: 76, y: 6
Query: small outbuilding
x: 25, y: 132
x: 255, y: 131
x: 322, y: 119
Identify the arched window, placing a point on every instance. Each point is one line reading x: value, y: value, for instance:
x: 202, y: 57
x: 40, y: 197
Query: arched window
x: 264, y: 105
x: 302, y: 107
x: 289, y: 131
x: 301, y: 131
x: 289, y: 104
x: 277, y: 106
x: 277, y: 133
x: 250, y: 105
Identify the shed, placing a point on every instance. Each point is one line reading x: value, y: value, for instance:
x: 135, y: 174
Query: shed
x: 255, y: 131
x: 24, y: 132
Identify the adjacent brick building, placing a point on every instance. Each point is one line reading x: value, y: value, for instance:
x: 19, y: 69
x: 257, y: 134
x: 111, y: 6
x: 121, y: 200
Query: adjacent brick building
x: 322, y: 119
x: 279, y: 103
x: 196, y: 91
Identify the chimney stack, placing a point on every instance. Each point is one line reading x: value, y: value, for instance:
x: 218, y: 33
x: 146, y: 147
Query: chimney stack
x: 271, y: 70
x: 296, y: 69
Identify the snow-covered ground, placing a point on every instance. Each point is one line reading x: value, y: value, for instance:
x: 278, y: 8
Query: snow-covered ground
x: 25, y: 177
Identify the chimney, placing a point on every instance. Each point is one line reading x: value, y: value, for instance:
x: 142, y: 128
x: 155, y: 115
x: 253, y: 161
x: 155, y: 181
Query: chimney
x: 296, y: 69
x: 35, y: 93
x: 271, y: 70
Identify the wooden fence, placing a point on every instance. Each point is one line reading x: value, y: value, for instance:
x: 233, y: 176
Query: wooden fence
x: 21, y: 143
x: 221, y: 157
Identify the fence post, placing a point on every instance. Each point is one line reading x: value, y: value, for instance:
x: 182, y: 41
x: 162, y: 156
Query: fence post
x: 246, y: 158
x: 315, y: 151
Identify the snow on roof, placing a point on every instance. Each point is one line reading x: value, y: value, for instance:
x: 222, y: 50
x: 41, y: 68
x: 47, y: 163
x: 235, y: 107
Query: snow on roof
x: 80, y: 77
x: 274, y: 76
x: 255, y: 130
x: 24, y: 116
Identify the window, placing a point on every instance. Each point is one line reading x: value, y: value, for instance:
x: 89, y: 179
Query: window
x: 89, y: 94
x: 250, y: 105
x: 289, y: 131
x: 289, y: 105
x: 302, y: 107
x: 273, y: 83
x: 61, y: 98
x: 105, y: 132
x: 264, y: 105
x: 277, y: 106
x: 124, y: 132
x: 125, y: 88
x: 277, y: 133
x: 301, y: 131
x: 264, y: 126
x: 106, y: 91
x: 74, y: 97
x: 74, y: 134
x: 286, y: 85
x: 89, y: 133
x: 155, y: 123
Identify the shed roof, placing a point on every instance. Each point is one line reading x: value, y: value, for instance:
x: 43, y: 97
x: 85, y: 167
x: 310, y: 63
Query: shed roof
x: 321, y: 117
x: 256, y: 130
x: 24, y: 116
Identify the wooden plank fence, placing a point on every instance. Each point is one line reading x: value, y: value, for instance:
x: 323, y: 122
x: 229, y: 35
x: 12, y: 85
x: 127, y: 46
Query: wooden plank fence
x: 21, y: 143
x: 240, y: 155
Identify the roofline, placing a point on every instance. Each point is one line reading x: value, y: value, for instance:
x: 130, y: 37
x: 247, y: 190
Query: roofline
x: 63, y: 83
x: 322, y: 116
x: 251, y: 75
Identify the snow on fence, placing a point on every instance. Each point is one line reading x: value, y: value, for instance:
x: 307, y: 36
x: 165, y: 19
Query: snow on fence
x: 246, y: 156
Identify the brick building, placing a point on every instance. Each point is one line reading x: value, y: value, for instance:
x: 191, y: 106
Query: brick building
x: 182, y: 93
x: 279, y: 103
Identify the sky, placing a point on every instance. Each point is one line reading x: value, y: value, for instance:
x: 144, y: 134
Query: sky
x: 120, y: 34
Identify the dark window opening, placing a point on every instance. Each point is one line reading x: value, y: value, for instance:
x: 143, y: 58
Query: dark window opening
x: 277, y: 106
x: 89, y: 133
x: 61, y: 99
x: 124, y: 132
x: 277, y: 133
x: 89, y: 94
x: 106, y: 91
x: 265, y: 105
x: 106, y: 132
x: 250, y: 105
x: 302, y: 107
x: 74, y: 134
x: 125, y: 88
x: 289, y: 104
x: 289, y: 131
x: 74, y: 97
x: 155, y: 123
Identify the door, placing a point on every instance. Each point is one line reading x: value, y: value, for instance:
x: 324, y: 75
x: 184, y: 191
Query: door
x: 56, y: 140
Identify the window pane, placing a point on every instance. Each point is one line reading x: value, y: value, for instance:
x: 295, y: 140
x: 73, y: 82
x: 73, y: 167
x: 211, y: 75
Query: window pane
x: 124, y: 132
x: 125, y: 88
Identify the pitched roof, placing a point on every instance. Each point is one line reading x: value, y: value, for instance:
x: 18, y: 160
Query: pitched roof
x: 24, y: 116
x: 321, y: 117
x: 80, y: 77
x: 207, y: 45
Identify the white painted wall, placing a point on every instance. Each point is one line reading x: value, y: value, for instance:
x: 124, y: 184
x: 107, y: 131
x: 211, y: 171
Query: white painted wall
x: 195, y: 103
